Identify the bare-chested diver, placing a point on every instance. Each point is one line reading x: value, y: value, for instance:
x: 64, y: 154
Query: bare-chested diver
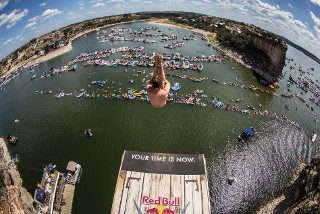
x: 158, y: 87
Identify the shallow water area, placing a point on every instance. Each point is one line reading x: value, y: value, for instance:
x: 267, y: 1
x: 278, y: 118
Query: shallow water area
x: 51, y: 130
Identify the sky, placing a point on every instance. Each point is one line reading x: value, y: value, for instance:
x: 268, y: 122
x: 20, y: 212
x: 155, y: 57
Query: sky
x: 23, y: 20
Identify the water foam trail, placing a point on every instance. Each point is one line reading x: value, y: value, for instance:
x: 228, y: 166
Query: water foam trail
x: 262, y: 167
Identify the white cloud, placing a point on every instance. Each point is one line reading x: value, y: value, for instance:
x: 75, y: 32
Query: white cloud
x: 30, y: 25
x: 283, y: 15
x: 7, y: 42
x: 227, y: 5
x: 98, y: 5
x: 46, y: 15
x: 316, y: 2
x: 300, y: 24
x: 278, y: 7
x: 265, y: 20
x: 50, y: 13
x: 147, y: 2
x: 11, y: 19
x: 315, y: 19
x: 43, y: 4
x: 81, y: 8
x: 208, y: 1
x: 290, y: 6
x: 317, y: 31
x: 71, y: 14
x: 81, y: 3
x: 271, y: 18
x: 3, y: 4
x: 196, y: 2
x: 112, y: 1
x: 135, y: 0
x: 10, y: 40
x: 94, y: 1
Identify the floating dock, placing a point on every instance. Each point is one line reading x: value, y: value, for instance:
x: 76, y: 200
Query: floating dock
x: 161, y: 183
x: 56, y: 191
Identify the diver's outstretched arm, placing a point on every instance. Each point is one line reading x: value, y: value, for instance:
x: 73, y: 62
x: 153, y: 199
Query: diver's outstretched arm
x: 161, y: 71
x: 156, y: 65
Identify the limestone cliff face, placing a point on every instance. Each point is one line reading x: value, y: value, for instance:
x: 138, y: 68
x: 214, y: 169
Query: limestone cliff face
x: 14, y: 198
x: 269, y: 57
x: 303, y: 193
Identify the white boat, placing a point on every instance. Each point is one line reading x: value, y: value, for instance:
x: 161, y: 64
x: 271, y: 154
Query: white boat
x: 314, y: 137
x: 60, y: 95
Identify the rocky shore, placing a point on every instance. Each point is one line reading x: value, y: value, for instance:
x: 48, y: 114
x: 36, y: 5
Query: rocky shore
x: 269, y: 70
x: 302, y: 194
x: 13, y: 197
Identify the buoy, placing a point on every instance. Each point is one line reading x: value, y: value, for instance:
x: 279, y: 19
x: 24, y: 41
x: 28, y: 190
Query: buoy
x: 231, y: 180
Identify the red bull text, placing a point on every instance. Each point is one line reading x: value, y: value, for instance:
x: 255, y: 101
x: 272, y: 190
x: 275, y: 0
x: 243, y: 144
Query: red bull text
x: 161, y: 201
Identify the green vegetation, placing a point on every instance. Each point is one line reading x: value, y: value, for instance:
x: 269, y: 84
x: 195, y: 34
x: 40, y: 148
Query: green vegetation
x: 1, y: 180
x: 315, y: 208
x: 238, y: 41
x: 51, y: 41
x: 235, y: 35
x: 229, y: 33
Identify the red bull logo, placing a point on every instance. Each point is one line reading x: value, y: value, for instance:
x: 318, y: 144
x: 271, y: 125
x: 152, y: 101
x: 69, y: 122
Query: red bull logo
x: 160, y: 209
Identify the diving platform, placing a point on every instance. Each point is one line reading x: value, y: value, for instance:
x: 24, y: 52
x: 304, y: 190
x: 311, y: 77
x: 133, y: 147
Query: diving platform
x: 161, y: 183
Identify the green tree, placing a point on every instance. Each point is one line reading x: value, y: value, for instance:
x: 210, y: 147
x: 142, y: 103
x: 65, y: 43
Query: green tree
x: 46, y: 48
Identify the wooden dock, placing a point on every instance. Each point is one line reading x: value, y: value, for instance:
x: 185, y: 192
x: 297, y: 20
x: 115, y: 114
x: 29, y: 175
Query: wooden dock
x: 161, y: 183
x: 68, y: 194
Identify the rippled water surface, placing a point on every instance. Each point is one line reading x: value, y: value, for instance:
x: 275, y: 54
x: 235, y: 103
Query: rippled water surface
x: 51, y: 129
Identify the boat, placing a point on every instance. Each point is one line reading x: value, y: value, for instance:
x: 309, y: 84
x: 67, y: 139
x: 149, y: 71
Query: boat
x: 88, y: 132
x: 247, y: 134
x: 60, y: 95
x: 198, y: 91
x: 214, y: 80
x: 73, y: 173
x: 314, y: 137
x: 12, y: 139
x: 33, y: 77
x: 176, y: 87
x: 132, y: 96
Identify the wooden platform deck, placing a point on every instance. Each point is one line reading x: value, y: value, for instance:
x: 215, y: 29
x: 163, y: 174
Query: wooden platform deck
x: 68, y: 194
x: 180, y: 187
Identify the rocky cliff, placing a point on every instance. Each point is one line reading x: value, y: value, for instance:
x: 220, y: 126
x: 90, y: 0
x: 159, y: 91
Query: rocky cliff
x: 13, y: 197
x: 303, y: 193
x: 268, y: 58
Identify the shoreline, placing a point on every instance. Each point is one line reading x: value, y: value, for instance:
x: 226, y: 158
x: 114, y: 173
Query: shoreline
x: 7, y: 163
x: 227, y: 52
x: 55, y: 53
x: 14, y: 197
x: 34, y: 61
